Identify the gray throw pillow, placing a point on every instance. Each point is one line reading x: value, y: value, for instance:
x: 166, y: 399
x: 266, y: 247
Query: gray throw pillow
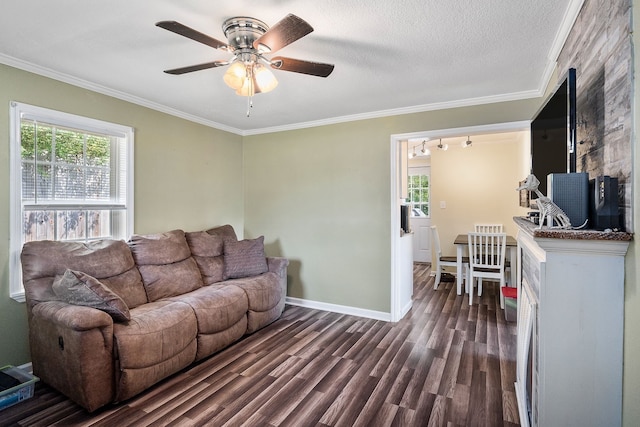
x: 78, y: 288
x: 244, y: 258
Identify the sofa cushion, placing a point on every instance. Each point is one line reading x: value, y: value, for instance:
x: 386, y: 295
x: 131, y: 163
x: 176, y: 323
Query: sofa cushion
x: 263, y: 292
x: 221, y: 312
x: 207, y: 251
x: 162, y: 248
x: 265, y: 297
x: 159, y: 340
x: 227, y: 233
x: 128, y: 285
x: 109, y: 261
x: 244, y: 258
x: 166, y: 280
x: 165, y: 264
x: 257, y: 320
x: 216, y: 307
x: 204, y: 244
x: 78, y: 288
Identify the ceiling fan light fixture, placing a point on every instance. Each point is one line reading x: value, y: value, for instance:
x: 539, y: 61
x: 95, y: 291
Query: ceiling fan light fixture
x: 247, y: 89
x: 236, y: 75
x: 248, y: 79
x: 264, y: 78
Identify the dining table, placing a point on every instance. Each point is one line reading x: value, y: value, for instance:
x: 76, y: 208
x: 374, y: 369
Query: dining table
x: 462, y: 242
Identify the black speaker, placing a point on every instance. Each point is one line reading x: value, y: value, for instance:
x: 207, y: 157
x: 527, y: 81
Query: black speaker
x: 570, y: 191
x: 404, y: 218
x: 605, y: 212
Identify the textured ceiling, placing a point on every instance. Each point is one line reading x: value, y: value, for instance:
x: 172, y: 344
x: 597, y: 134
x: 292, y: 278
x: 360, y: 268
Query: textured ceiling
x: 390, y: 56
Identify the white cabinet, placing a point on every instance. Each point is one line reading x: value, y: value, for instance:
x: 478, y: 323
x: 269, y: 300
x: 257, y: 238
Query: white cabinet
x: 570, y: 327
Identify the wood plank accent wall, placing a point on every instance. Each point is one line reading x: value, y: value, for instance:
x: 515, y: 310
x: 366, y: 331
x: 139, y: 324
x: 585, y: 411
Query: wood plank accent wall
x: 599, y: 48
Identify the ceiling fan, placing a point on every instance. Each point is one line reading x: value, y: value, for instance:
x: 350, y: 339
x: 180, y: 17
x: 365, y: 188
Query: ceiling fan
x: 249, y: 39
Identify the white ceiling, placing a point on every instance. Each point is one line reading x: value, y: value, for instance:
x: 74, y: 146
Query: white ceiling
x: 390, y: 57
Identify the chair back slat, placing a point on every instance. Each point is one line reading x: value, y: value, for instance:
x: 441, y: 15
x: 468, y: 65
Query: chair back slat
x: 488, y: 228
x: 487, y: 250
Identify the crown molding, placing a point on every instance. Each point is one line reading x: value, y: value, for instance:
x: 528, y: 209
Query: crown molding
x: 568, y: 20
x: 516, y: 96
x: 84, y: 84
x: 65, y: 78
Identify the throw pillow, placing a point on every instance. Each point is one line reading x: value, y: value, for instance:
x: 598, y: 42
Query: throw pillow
x: 78, y: 288
x: 244, y: 258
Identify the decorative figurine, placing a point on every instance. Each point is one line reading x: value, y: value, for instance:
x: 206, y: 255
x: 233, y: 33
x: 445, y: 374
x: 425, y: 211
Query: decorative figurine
x: 548, y: 209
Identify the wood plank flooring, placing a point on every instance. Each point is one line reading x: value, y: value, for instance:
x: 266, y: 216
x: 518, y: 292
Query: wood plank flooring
x: 445, y: 364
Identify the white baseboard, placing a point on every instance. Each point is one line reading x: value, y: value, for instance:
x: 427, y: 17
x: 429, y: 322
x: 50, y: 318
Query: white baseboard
x: 343, y: 309
x: 406, y: 308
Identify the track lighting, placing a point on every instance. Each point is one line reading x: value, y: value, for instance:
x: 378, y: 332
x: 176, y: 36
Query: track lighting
x: 443, y: 147
x: 425, y: 151
x: 466, y: 143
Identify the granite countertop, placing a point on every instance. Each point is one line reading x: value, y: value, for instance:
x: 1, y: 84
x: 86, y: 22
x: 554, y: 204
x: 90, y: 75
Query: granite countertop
x: 557, y: 233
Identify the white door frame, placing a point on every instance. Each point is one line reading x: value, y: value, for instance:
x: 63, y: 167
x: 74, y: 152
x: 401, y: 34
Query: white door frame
x: 396, y: 310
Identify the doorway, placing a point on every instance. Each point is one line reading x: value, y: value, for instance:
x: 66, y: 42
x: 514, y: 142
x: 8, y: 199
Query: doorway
x: 399, y: 170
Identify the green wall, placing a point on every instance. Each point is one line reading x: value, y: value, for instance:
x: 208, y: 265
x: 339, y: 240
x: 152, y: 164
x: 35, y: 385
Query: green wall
x: 187, y: 176
x: 322, y: 197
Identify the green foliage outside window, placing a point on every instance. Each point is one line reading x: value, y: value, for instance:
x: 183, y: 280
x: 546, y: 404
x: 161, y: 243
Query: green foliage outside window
x: 61, y: 164
x: 69, y: 145
x: 419, y: 192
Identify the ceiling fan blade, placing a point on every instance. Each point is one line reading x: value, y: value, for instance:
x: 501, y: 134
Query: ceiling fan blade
x: 192, y: 34
x: 286, y: 31
x: 198, y: 67
x: 299, y: 66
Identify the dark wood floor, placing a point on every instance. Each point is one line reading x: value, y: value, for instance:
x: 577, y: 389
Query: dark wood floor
x: 445, y: 364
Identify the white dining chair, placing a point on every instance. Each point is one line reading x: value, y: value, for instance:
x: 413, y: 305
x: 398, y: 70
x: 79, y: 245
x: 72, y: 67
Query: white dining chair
x: 493, y: 228
x: 444, y: 261
x: 488, y: 228
x: 487, y: 261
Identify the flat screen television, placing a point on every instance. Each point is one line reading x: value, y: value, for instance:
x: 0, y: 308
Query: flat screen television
x: 553, y: 133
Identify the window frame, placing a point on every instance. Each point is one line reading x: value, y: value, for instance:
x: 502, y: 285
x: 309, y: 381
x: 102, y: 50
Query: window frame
x: 18, y: 111
x: 410, y: 189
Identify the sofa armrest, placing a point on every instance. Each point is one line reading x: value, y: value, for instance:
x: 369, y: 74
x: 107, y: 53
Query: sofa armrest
x: 279, y: 265
x: 72, y: 351
x: 75, y: 317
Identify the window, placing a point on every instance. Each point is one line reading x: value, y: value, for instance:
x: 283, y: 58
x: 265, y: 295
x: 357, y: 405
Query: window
x: 419, y: 195
x: 71, y: 179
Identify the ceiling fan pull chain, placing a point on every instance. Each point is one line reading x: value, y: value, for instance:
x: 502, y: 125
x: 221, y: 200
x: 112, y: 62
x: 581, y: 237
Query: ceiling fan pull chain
x: 251, y: 89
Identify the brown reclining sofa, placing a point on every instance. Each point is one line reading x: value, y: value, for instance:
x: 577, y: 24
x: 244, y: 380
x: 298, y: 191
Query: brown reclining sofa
x: 108, y: 319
